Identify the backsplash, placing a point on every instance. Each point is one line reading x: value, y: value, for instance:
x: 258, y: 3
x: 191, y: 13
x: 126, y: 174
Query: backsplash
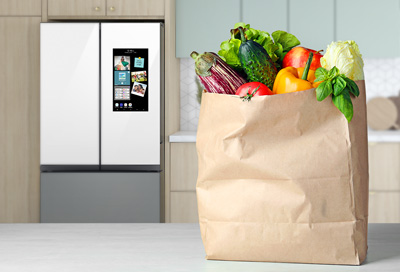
x: 382, y: 78
x: 190, y: 108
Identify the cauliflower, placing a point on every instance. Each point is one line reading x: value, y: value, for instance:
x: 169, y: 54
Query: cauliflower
x: 346, y: 56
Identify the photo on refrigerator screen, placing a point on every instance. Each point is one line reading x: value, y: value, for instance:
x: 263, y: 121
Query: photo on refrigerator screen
x: 139, y: 89
x: 122, y: 63
x: 121, y: 77
x: 139, y: 76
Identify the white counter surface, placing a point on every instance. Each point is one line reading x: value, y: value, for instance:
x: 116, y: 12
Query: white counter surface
x: 183, y: 136
x: 392, y: 136
x: 154, y: 247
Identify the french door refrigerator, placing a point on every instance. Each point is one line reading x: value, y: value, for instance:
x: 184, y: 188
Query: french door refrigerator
x: 100, y: 121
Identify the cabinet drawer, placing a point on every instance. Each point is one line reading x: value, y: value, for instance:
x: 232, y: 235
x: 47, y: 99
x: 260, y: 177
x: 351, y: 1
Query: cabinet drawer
x: 384, y: 170
x: 183, y: 166
x: 184, y: 207
x: 384, y: 207
x: 76, y: 8
x: 20, y: 7
x: 135, y: 8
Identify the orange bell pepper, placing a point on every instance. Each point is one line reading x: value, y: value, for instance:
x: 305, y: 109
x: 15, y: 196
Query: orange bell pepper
x: 292, y: 79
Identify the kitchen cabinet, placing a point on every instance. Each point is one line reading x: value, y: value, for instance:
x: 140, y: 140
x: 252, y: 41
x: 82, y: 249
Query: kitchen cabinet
x: 297, y: 17
x: 254, y: 12
x: 202, y: 25
x: 384, y: 166
x: 312, y: 22
x: 19, y: 118
x: 183, y: 167
x: 184, y: 207
x: 20, y: 7
x: 384, y: 180
x: 183, y: 203
x: 111, y: 8
x: 76, y: 8
x: 135, y: 8
x: 374, y: 25
x: 384, y: 207
x: 315, y: 22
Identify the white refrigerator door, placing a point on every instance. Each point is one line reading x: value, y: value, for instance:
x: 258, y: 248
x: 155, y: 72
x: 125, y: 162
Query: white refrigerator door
x: 69, y: 93
x: 130, y: 137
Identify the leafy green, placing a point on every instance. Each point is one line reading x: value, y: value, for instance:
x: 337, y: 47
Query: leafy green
x: 333, y: 72
x: 276, y: 46
x: 353, y: 86
x: 321, y: 74
x: 324, y: 90
x: 344, y: 104
x: 237, y: 25
x: 286, y: 41
x: 230, y: 51
x: 339, y: 86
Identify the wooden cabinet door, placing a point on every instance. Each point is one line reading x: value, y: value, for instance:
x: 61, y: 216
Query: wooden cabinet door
x: 76, y: 8
x: 142, y: 8
x: 384, y: 207
x: 184, y: 207
x: 183, y: 166
x: 374, y: 25
x: 384, y: 182
x: 202, y: 25
x: 384, y: 166
x: 20, y: 7
x: 183, y: 183
x: 19, y: 119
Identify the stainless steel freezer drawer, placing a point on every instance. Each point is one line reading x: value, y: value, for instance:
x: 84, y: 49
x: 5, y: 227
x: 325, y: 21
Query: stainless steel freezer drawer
x: 100, y: 197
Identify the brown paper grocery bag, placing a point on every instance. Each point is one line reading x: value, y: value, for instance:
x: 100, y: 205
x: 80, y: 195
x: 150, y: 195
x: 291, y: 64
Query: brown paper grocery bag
x: 283, y: 178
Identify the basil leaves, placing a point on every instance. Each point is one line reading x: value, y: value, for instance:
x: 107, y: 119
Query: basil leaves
x: 339, y: 86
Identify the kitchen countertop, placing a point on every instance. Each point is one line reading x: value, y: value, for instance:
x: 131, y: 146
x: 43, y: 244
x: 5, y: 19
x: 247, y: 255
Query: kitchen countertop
x: 154, y: 247
x: 183, y: 136
x: 387, y: 136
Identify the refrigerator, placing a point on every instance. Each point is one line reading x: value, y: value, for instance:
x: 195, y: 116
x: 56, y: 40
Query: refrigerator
x: 101, y: 126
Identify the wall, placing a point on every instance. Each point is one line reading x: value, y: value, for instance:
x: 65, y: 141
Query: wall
x: 382, y: 78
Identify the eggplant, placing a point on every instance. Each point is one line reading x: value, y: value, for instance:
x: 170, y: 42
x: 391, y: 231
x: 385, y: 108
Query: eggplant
x: 215, y: 74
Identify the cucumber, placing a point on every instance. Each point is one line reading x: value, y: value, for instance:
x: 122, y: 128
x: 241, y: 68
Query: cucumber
x: 256, y: 62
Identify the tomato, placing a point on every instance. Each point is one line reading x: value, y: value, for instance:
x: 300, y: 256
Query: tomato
x: 248, y: 89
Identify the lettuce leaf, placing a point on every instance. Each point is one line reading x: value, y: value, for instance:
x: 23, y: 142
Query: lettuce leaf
x: 276, y: 46
x: 229, y: 53
x: 286, y: 41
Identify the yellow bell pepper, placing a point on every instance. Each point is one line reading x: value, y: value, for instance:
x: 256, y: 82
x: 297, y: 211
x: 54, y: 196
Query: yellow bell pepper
x: 290, y: 79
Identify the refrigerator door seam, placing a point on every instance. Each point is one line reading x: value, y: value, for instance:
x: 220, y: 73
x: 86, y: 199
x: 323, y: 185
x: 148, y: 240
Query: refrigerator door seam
x: 100, y: 96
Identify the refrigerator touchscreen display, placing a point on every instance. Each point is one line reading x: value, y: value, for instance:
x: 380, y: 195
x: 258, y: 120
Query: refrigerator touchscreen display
x: 130, y: 74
